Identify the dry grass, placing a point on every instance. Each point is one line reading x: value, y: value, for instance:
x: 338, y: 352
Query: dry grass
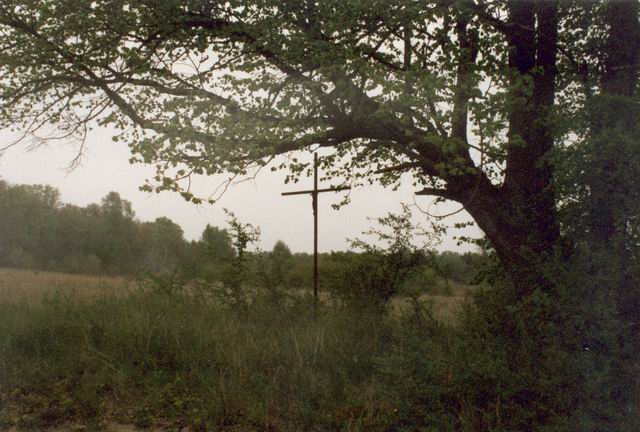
x: 445, y: 308
x: 18, y: 286
x: 149, y: 358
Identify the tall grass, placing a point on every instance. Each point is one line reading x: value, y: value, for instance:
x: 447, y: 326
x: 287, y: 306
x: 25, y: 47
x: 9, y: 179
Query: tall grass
x: 170, y: 359
x: 181, y: 359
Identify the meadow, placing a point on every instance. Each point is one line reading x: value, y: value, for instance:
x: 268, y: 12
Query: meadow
x: 106, y: 353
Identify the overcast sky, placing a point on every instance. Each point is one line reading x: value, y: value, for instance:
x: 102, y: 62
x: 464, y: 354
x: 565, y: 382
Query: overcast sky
x: 106, y: 168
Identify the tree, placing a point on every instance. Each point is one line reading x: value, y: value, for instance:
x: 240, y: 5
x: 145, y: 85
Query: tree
x: 281, y: 251
x: 279, y: 264
x: 115, y: 234
x: 163, y: 244
x: 598, y: 184
x: 28, y: 229
x: 465, y: 97
x: 115, y: 208
x: 217, y: 244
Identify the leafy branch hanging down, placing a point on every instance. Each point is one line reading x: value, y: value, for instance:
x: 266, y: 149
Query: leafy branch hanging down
x: 468, y: 99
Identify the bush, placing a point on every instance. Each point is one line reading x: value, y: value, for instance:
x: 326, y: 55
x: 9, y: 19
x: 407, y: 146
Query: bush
x: 376, y: 275
x: 426, y: 280
x: 300, y: 275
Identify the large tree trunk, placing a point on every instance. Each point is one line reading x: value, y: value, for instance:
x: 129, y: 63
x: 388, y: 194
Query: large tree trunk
x: 518, y: 231
x: 520, y: 217
x: 615, y: 131
x: 614, y: 117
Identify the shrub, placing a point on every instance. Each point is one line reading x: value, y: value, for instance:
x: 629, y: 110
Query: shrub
x: 377, y: 274
x: 427, y: 280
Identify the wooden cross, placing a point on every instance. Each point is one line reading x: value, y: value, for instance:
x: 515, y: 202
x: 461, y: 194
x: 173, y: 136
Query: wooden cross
x: 314, y: 195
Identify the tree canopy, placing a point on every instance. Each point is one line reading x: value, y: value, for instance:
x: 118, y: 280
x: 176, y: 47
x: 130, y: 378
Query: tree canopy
x: 470, y: 98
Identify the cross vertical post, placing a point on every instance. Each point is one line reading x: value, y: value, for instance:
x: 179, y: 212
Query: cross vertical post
x: 315, y: 226
x: 314, y: 196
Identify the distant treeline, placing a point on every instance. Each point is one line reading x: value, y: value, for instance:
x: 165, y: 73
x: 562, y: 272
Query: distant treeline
x: 38, y: 231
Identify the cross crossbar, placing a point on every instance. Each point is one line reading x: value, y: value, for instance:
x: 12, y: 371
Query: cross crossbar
x: 313, y: 191
x: 314, y: 194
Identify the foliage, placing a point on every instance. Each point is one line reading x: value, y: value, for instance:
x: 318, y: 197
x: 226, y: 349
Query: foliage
x: 107, y: 239
x: 243, y: 235
x: 461, y: 268
x: 211, y: 256
x: 600, y: 209
x: 466, y: 99
x: 378, y: 274
x: 176, y: 360
x: 217, y: 243
x: 40, y: 232
x: 271, y: 271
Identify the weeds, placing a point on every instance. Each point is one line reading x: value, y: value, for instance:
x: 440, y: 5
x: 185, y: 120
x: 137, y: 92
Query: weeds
x: 153, y: 357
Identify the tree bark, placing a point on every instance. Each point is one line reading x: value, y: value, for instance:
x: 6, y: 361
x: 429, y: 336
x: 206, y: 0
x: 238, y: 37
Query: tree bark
x: 615, y: 130
x: 520, y: 217
x: 523, y: 245
x: 615, y: 115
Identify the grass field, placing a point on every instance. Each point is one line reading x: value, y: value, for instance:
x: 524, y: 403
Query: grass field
x: 96, y: 353
x: 32, y: 286
x: 28, y: 285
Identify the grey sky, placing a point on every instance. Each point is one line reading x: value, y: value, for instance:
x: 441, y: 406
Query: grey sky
x: 106, y: 168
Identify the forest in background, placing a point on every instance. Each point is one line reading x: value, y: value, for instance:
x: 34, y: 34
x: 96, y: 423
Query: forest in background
x: 40, y: 232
